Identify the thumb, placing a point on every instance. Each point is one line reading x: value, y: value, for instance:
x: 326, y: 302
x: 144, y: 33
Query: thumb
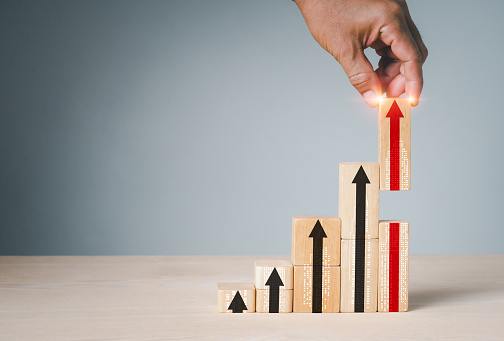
x: 361, y: 75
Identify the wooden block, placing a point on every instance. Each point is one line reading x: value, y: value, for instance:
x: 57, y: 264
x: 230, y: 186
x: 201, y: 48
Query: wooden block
x: 359, y: 199
x: 394, y: 144
x: 323, y: 296
x: 359, y: 277
x: 236, y: 297
x: 393, y: 268
x: 321, y: 234
x: 264, y: 270
x: 282, y: 297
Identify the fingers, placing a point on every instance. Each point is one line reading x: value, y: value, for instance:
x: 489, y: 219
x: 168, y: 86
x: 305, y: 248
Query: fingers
x: 404, y: 47
x: 345, y: 28
x: 414, y: 32
x: 361, y: 74
x: 391, y: 70
x: 388, y: 70
x: 418, y: 39
x: 396, y: 86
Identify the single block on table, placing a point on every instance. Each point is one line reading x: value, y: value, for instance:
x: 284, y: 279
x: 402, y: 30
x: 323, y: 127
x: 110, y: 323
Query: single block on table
x: 235, y: 297
x: 316, y: 240
x: 393, y: 266
x: 274, y: 301
x: 394, y: 144
x: 359, y: 199
x: 265, y: 272
x: 316, y: 289
x: 359, y: 276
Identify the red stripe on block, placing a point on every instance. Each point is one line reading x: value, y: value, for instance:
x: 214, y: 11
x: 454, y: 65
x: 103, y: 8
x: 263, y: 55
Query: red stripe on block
x: 394, y: 267
x: 395, y: 114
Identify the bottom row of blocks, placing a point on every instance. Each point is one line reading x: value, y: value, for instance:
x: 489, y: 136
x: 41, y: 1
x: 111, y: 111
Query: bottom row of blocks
x: 284, y: 288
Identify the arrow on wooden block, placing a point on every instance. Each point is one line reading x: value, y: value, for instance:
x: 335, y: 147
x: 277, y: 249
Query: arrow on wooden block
x: 318, y: 234
x: 237, y: 305
x: 274, y: 282
x: 395, y: 114
x: 360, y: 180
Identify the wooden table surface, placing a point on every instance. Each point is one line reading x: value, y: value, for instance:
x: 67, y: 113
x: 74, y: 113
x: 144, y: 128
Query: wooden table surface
x: 458, y: 297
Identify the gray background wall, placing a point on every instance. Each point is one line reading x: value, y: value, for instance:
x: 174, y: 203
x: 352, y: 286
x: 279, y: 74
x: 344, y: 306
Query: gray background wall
x: 201, y: 127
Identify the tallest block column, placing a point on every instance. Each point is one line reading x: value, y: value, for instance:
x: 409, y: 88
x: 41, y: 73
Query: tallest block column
x: 394, y: 144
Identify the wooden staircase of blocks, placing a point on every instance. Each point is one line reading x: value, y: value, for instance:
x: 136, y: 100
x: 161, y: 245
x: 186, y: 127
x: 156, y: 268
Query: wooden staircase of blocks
x: 348, y: 263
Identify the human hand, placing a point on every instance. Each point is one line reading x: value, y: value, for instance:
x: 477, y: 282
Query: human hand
x: 344, y: 28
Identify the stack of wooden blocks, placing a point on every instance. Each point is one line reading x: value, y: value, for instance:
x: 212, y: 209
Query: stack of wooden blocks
x: 350, y: 263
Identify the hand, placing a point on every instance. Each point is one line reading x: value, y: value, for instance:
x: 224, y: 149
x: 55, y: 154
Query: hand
x: 344, y: 28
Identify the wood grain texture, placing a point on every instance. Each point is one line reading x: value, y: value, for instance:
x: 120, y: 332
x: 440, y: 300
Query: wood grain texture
x: 303, y: 289
x: 384, y: 143
x: 455, y: 297
x: 348, y: 276
x: 285, y: 301
x: 263, y: 269
x: 347, y: 198
x: 302, y: 244
x: 384, y: 265
x: 226, y: 291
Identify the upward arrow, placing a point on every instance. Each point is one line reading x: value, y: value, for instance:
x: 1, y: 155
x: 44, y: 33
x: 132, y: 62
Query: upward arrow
x: 237, y: 305
x: 318, y: 234
x: 395, y: 114
x: 361, y: 180
x: 274, y: 282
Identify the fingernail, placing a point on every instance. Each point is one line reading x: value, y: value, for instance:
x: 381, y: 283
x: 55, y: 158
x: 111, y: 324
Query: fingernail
x: 371, y: 98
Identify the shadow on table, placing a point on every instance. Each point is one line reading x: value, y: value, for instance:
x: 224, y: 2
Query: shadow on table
x: 421, y: 298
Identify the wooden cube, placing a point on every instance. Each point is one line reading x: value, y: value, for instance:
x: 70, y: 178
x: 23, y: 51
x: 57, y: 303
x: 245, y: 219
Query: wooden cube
x: 393, y: 266
x: 264, y: 272
x: 316, y: 289
x: 274, y: 301
x: 321, y: 234
x: 359, y: 199
x: 394, y: 144
x: 236, y: 297
x: 359, y: 276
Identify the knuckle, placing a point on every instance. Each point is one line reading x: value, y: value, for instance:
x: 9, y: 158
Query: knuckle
x: 417, y: 57
x: 360, y: 80
x: 390, y: 8
x: 395, y: 9
x: 425, y: 53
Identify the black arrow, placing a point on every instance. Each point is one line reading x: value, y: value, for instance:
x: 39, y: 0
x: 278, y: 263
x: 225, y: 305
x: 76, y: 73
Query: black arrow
x: 360, y: 180
x: 237, y: 304
x: 318, y: 235
x: 274, y: 282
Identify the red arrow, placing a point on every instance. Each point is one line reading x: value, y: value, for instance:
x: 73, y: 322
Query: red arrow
x: 395, y: 115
